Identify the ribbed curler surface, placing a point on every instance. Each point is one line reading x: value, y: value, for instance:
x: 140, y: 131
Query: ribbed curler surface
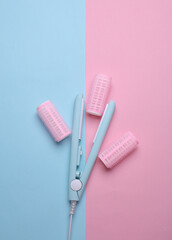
x: 98, y: 95
x: 118, y: 150
x: 53, y: 121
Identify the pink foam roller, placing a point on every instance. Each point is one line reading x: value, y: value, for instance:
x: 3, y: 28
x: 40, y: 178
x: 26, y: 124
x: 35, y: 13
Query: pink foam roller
x: 53, y: 121
x: 118, y: 150
x: 98, y: 95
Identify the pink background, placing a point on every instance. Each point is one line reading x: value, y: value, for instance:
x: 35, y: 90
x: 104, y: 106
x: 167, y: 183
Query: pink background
x: 131, y: 41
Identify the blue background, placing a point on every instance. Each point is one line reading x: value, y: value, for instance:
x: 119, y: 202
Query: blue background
x: 42, y: 56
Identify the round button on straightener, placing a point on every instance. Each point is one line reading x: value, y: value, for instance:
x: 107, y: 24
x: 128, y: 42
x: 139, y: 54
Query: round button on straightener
x: 76, y: 185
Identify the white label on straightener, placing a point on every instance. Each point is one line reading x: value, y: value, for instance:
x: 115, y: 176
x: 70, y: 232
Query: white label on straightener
x: 81, y: 118
x: 100, y: 124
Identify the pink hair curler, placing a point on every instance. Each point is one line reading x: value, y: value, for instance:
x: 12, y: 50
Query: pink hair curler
x: 53, y: 121
x: 98, y: 95
x: 118, y: 150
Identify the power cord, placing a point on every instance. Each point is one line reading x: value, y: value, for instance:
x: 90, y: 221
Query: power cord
x: 72, y: 211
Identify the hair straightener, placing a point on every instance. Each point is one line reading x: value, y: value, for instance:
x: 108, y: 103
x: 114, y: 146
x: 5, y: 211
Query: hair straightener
x: 78, y: 180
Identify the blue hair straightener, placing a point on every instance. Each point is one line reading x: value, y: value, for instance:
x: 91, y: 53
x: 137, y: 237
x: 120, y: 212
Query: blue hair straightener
x: 78, y: 180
